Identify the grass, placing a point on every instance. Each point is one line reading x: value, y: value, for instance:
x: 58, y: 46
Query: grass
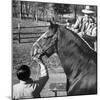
x: 21, y: 55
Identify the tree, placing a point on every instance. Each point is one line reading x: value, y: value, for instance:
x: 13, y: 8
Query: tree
x: 42, y: 9
x: 15, y: 8
x: 62, y: 8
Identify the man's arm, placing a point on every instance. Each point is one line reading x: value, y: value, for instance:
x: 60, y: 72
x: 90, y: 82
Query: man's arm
x: 92, y: 35
x: 42, y: 80
x: 75, y: 27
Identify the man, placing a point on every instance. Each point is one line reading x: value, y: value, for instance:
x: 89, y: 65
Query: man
x: 86, y: 27
x: 27, y: 88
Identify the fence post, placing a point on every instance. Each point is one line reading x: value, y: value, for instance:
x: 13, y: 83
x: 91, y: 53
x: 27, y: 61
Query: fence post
x: 19, y: 32
x: 55, y: 91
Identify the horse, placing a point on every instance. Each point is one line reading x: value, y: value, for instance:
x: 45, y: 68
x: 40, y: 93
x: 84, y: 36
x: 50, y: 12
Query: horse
x: 78, y: 59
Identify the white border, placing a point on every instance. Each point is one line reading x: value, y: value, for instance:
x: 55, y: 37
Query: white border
x: 5, y: 48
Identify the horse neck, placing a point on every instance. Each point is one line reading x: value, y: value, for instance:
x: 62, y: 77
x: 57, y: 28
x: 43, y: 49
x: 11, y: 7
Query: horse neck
x: 70, y: 53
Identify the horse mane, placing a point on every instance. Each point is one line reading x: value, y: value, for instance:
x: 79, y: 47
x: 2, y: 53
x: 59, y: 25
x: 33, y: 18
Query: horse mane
x: 85, y: 44
x: 54, y: 27
x: 85, y: 47
x: 81, y: 39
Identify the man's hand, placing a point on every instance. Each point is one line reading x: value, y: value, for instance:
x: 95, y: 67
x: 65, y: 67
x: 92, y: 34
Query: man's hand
x: 80, y: 34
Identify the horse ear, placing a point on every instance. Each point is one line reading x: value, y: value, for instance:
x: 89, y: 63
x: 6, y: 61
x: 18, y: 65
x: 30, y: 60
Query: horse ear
x: 52, y: 21
x: 51, y: 25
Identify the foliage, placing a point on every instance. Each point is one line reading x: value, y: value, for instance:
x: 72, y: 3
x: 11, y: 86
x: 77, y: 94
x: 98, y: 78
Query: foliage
x: 15, y: 8
x: 33, y: 10
x: 62, y: 8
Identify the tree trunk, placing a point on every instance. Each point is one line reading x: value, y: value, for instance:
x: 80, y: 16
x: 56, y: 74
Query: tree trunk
x: 21, y: 9
x: 36, y: 15
x: 75, y: 8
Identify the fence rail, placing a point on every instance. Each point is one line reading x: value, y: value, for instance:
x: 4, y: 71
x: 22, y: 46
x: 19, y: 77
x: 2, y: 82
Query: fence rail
x: 22, y: 36
x: 31, y: 27
x: 19, y: 35
x: 28, y: 33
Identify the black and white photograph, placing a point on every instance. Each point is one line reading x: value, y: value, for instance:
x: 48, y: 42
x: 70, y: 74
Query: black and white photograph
x: 54, y: 49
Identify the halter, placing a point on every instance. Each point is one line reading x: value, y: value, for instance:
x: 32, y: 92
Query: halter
x: 40, y: 46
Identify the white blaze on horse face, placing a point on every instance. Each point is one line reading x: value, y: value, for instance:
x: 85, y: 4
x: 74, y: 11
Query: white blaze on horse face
x: 36, y: 49
x: 43, y: 43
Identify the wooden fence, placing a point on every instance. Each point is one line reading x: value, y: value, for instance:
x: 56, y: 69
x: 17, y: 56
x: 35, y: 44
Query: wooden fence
x: 32, y: 36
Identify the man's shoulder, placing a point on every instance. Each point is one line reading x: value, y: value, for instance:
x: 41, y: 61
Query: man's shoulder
x: 17, y: 86
x: 80, y: 17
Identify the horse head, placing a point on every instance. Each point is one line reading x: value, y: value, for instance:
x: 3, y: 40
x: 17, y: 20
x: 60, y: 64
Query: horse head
x: 46, y: 44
